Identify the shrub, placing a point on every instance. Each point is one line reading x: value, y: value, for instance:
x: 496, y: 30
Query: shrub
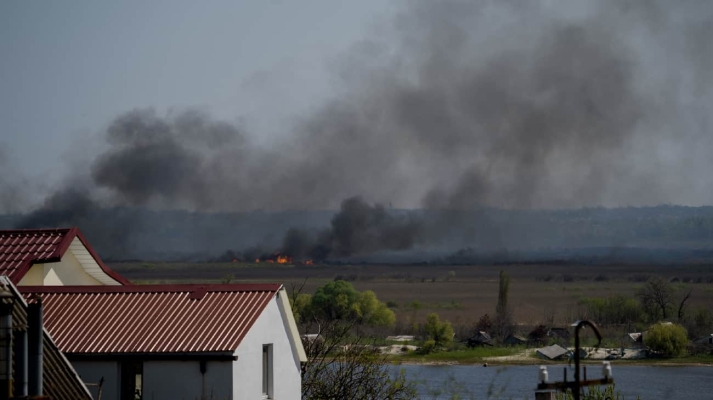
x: 668, y: 339
x: 427, y: 347
x: 440, y: 332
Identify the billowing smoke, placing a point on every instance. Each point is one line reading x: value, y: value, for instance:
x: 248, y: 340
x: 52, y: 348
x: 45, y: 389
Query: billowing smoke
x: 457, y: 105
x: 358, y: 228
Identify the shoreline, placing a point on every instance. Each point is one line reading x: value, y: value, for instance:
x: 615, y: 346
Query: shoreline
x: 535, y: 362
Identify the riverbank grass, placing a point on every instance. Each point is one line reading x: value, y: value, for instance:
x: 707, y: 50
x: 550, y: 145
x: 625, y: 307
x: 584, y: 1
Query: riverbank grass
x: 460, y: 356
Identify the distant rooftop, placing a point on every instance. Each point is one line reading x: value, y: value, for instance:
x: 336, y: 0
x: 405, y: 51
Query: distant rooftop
x: 20, y: 249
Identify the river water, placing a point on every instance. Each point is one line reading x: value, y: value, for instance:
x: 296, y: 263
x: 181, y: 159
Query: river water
x: 518, y: 382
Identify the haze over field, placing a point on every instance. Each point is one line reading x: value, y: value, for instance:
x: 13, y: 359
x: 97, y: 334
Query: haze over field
x: 443, y: 106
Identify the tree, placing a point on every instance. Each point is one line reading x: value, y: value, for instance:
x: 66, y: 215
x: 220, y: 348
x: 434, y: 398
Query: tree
x: 503, y: 314
x: 612, y: 310
x: 339, y: 300
x: 373, y: 312
x: 682, y: 305
x: 341, y: 365
x: 484, y: 324
x: 656, y: 298
x: 668, y: 339
x: 440, y: 332
x: 301, y: 306
x: 335, y: 300
x: 341, y: 362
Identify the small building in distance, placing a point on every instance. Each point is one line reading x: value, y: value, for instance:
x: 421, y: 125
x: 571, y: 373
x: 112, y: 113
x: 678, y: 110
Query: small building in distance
x: 705, y: 340
x: 480, y: 338
x: 515, y: 340
x: 236, y: 341
x: 634, y: 340
x: 554, y: 352
x: 53, y: 257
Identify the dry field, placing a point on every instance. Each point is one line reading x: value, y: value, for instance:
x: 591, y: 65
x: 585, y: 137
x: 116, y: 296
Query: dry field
x: 458, y: 293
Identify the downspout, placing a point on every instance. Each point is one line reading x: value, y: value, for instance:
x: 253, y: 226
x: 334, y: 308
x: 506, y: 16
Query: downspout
x: 6, y: 306
x: 34, y: 333
x: 21, y: 362
x: 203, y: 368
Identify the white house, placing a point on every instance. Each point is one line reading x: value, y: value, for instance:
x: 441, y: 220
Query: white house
x: 52, y: 257
x: 235, y: 341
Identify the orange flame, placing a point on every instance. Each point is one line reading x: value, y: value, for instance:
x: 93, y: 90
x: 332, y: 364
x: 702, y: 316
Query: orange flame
x: 283, y: 259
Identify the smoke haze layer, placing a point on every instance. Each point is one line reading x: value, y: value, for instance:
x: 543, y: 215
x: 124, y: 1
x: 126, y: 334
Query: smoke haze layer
x: 454, y: 106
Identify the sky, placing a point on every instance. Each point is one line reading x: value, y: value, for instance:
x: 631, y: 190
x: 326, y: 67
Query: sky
x: 70, y: 67
x: 243, y: 105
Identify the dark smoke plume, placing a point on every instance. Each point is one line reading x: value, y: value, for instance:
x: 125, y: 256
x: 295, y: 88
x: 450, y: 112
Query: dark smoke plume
x: 458, y: 106
x: 358, y: 228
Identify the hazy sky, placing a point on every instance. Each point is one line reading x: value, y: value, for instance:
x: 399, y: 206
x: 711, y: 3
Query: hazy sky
x: 450, y: 104
x: 68, y: 68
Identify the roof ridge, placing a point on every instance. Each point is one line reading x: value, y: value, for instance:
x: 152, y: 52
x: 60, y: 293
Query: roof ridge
x: 156, y: 288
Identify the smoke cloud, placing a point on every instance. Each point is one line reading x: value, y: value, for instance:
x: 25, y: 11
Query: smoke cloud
x: 358, y: 228
x: 456, y: 106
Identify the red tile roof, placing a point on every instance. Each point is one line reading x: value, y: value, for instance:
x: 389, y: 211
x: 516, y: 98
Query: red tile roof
x: 20, y: 249
x: 151, y: 319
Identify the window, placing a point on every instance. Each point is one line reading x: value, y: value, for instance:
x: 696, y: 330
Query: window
x: 267, y: 371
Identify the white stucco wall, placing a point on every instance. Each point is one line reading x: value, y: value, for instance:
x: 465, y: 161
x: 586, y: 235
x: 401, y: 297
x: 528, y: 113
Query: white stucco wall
x: 66, y: 272
x: 163, y: 379
x: 93, y: 371
x: 270, y: 328
x: 182, y: 380
x: 34, y: 277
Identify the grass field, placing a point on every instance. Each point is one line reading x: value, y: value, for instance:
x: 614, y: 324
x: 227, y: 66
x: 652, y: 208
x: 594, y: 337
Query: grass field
x: 458, y: 293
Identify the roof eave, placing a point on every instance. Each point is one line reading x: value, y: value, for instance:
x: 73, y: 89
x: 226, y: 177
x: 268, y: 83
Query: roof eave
x: 113, y: 274
x: 178, y: 356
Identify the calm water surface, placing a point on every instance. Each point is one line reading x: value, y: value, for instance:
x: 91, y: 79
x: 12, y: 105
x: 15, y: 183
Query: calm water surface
x: 518, y: 382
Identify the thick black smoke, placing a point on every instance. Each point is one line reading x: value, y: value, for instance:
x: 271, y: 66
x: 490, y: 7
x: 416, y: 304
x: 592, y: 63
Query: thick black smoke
x: 358, y: 228
x: 457, y: 106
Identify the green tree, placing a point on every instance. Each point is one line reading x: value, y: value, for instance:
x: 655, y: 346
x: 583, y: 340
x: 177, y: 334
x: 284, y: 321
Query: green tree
x: 612, y: 310
x: 301, y: 304
x: 668, y: 339
x: 440, y: 332
x: 339, y: 300
x: 335, y: 300
x: 341, y: 362
x: 373, y: 312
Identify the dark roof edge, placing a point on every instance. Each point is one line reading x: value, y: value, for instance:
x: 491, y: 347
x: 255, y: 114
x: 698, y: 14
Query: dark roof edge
x: 40, y: 230
x: 181, y: 356
x: 160, y: 288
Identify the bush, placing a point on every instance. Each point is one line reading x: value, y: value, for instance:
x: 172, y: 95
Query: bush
x: 668, y: 339
x: 441, y: 333
x: 427, y: 347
